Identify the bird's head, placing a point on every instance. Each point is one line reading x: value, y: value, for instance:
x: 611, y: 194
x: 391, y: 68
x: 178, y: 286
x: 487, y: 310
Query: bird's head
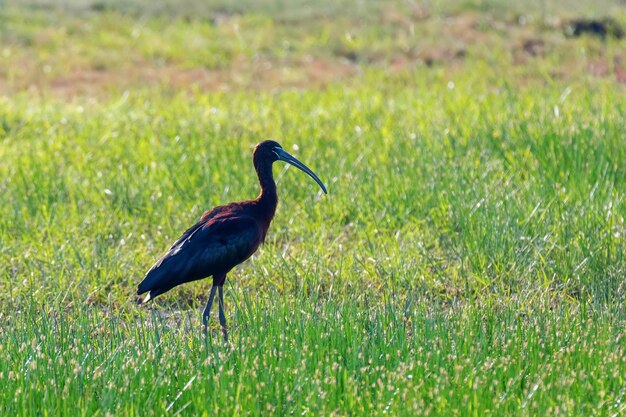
x: 271, y: 151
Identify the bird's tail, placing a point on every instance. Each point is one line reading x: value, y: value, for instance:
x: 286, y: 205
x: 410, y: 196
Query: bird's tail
x: 147, y: 286
x: 151, y: 293
x: 155, y: 282
x: 147, y: 298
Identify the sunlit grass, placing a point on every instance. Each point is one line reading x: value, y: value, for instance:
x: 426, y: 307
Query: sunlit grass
x: 468, y: 259
x: 461, y: 190
x: 309, y: 357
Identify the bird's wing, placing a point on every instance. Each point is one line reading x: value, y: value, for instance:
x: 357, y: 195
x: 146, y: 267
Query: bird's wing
x: 213, y: 245
x: 206, y: 217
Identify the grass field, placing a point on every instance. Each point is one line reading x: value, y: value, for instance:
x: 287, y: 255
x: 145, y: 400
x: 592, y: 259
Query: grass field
x: 469, y: 259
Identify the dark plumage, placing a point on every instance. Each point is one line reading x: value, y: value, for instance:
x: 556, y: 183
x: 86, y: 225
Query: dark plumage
x: 223, y: 237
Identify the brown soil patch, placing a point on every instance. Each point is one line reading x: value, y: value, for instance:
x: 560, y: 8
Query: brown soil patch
x: 258, y: 74
x: 604, y: 68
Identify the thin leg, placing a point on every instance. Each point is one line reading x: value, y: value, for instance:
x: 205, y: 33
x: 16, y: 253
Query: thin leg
x: 221, y: 313
x: 207, y: 309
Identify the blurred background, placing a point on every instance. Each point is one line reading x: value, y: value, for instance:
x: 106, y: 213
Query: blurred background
x: 92, y: 47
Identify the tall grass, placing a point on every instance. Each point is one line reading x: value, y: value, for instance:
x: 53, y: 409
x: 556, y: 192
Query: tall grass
x: 468, y: 259
x: 469, y: 191
x: 312, y: 357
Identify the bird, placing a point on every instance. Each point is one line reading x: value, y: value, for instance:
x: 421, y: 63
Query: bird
x: 223, y: 238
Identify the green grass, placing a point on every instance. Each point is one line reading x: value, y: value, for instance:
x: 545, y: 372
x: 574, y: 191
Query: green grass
x: 313, y: 356
x: 468, y: 260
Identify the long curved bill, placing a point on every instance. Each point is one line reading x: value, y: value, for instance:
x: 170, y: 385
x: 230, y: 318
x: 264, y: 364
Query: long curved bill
x: 284, y: 156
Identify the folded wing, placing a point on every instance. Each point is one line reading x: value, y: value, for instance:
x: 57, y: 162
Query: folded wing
x: 214, y: 245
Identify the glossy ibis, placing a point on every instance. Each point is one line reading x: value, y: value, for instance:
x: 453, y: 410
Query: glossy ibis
x: 223, y: 237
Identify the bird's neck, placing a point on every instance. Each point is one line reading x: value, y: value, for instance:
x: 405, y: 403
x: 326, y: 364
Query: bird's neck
x: 267, y: 199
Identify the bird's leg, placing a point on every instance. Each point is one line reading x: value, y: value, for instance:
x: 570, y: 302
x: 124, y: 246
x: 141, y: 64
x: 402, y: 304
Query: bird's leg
x: 207, y: 309
x: 221, y: 313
